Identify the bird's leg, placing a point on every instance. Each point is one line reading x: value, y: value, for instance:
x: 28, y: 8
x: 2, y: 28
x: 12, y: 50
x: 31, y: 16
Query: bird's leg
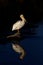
x: 13, y: 35
x: 18, y: 31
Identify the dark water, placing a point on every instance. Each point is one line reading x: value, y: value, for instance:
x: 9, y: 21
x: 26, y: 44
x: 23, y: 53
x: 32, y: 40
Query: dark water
x: 33, y: 47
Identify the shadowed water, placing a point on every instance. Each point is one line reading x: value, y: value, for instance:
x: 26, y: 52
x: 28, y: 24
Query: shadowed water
x: 33, y: 45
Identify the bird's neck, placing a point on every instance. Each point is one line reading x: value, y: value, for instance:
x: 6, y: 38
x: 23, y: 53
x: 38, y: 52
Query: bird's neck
x: 23, y: 19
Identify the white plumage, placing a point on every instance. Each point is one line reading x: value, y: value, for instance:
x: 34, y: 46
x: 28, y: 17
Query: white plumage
x: 19, y: 24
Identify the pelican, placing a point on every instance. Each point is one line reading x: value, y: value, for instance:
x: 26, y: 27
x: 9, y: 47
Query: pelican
x: 19, y: 24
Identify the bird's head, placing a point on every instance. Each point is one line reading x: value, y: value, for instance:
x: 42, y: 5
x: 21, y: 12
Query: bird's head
x: 21, y: 16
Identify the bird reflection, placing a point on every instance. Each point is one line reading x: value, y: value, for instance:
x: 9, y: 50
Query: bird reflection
x: 16, y: 47
x: 15, y: 44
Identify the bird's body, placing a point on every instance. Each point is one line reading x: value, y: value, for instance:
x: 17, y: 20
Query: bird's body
x: 19, y: 24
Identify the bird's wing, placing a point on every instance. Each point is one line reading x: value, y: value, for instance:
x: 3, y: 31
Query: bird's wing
x: 16, y: 24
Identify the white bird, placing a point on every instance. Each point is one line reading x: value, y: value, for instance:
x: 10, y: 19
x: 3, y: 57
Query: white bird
x: 19, y: 24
